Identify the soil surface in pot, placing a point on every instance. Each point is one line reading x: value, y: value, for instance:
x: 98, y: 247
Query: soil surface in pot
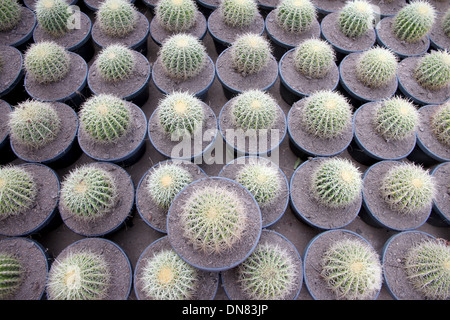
x: 440, y: 5
x: 388, y: 8
x: 442, y: 199
x: 437, y: 35
x: 329, y: 5
x: 21, y: 30
x: 5, y: 110
x: 11, y: 68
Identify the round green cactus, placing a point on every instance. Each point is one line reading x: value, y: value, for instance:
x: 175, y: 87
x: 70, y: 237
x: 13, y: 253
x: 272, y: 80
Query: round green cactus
x: 117, y: 18
x: 295, y: 16
x: 352, y: 270
x: 433, y: 70
x: 47, y: 62
x: 115, y: 63
x: 250, y: 53
x: 166, y: 276
x: 52, y: 16
x: 238, y: 13
x: 10, y: 14
x: 80, y: 275
x: 376, y: 67
x: 314, y: 58
x: 356, y: 18
x: 336, y: 183
x: 11, y: 275
x: 440, y: 123
x: 34, y: 123
x: 176, y: 15
x: 413, y: 21
x: 17, y: 191
x: 105, y: 118
x: 396, y: 119
x: 182, y: 56
x: 407, y: 188
x: 427, y: 266
x: 326, y: 114
x: 89, y: 192
x: 446, y: 23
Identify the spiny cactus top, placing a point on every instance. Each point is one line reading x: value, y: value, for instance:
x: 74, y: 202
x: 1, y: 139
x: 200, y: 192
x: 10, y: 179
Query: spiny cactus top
x: 117, y: 18
x: 376, y: 67
x: 433, y: 70
x: 115, y: 62
x: 414, y: 21
x: 10, y: 14
x: 352, y: 270
x: 238, y: 13
x: 47, y: 62
x: 52, y: 16
x: 446, y: 23
x: 295, y: 15
x: 356, y: 18
x: 176, y: 15
x: 314, y: 58
x: 11, y: 274
x: 250, y: 53
x: 440, y: 123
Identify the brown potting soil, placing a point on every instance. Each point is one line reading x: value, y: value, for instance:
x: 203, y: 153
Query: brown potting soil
x: 11, y: 67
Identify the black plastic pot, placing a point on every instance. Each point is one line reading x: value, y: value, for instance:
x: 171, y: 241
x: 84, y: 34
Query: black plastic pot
x: 206, y: 7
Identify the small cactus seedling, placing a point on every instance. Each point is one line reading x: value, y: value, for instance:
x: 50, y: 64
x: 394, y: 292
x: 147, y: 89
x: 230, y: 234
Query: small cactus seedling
x: 295, y: 16
x: 165, y: 182
x: 356, y: 18
x: 34, y: 123
x: 440, y: 123
x: 407, y: 188
x: 10, y: 14
x: 326, y: 114
x: 352, y: 270
x: 115, y: 63
x: 314, y: 58
x: 427, y: 266
x: 89, y: 192
x: 52, y: 16
x: 105, y: 118
x: 11, y: 275
x: 446, y: 23
x: 376, y: 67
x: 396, y: 119
x: 80, y: 275
x: 268, y: 273
x: 336, y: 183
x: 413, y: 21
x: 117, y: 18
x: 238, y: 13
x: 176, y: 15
x: 250, y: 53
x: 182, y: 56
x: 166, y: 276
x: 433, y: 70
x: 17, y: 191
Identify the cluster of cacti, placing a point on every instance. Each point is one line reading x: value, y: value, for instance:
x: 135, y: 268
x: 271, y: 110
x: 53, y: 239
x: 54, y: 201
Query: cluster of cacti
x: 47, y: 62
x: 52, y: 16
x: 89, y: 192
x: 34, y: 123
x: 407, y: 188
x: 268, y: 273
x: 82, y: 275
x: 446, y: 23
x: 314, y: 58
x: 440, y: 123
x: 10, y: 14
x: 376, y: 67
x: 165, y: 276
x: 176, y: 15
x: 250, y: 53
x: 117, y: 18
x: 326, y: 114
x: 17, y: 191
x: 165, y: 182
x: 116, y: 62
x: 238, y: 13
x: 295, y: 15
x: 336, y: 183
x: 182, y: 56
x: 11, y: 275
x: 427, y: 266
x: 105, y: 118
x: 396, y: 118
x: 352, y: 270
x: 356, y: 18
x: 433, y: 70
x: 413, y: 21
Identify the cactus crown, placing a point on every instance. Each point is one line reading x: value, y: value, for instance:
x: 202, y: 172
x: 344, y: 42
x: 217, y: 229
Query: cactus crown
x: 165, y: 182
x: 427, y: 266
x: 407, y: 188
x: 352, y: 269
x: 268, y: 273
x: 17, y: 191
x: 115, y: 63
x: 250, y: 53
x: 295, y: 15
x: 166, y: 276
x: 326, y: 114
x: 34, y: 123
x: 117, y: 18
x: 47, y: 62
x: 52, y: 16
x: 440, y: 123
x: 376, y: 67
x: 182, y: 56
x: 336, y: 183
x: 176, y: 15
x: 10, y: 14
x: 433, y: 70
x: 105, y: 118
x: 11, y: 273
x: 314, y: 58
x: 356, y: 18
x: 80, y: 275
x: 238, y: 13
x: 413, y: 21
x: 446, y: 23
x: 89, y: 192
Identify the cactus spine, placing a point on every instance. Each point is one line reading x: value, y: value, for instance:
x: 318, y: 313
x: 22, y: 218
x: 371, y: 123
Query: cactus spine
x: 413, y: 21
x: 356, y: 18
x: 250, y: 53
x: 314, y: 58
x: 10, y: 14
x: 440, y: 123
x: 295, y: 16
x: 176, y: 15
x: 238, y: 13
x: 433, y: 70
x: 376, y: 67
x: 11, y: 274
x: 52, y: 16
x: 115, y: 63
x: 117, y: 18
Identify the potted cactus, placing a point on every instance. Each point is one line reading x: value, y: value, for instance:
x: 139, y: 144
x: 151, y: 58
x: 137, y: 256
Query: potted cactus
x: 5, y: 146
x: 93, y: 5
x: 248, y: 64
x: 161, y: 274
x: 11, y: 74
x: 325, y: 193
x: 440, y: 32
x: 440, y: 213
x: 16, y: 24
